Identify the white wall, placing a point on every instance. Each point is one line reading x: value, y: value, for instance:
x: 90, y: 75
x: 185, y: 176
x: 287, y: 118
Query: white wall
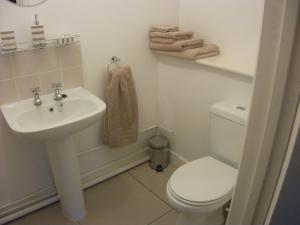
x: 117, y: 27
x: 234, y: 25
x: 186, y: 90
x: 107, y: 28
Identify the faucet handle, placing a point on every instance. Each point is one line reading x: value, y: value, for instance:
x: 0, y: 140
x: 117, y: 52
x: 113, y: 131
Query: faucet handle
x: 36, y: 90
x: 57, y: 85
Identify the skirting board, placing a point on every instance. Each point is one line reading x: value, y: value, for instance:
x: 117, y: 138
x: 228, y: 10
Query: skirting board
x: 32, y: 203
x: 176, y: 159
x: 48, y: 195
x: 134, y: 155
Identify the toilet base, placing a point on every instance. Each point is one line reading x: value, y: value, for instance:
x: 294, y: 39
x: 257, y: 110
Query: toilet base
x: 213, y: 218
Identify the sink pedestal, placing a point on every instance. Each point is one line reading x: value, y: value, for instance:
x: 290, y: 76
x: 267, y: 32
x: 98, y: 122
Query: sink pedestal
x: 45, y: 123
x: 65, y: 169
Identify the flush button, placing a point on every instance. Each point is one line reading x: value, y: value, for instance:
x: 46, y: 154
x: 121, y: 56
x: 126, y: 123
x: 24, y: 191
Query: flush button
x: 241, y: 108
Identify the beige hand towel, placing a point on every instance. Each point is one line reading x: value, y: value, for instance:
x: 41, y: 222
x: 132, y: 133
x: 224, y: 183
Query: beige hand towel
x: 162, y: 40
x: 121, y: 118
x: 163, y: 28
x: 178, y: 35
x: 178, y: 45
x: 196, y: 53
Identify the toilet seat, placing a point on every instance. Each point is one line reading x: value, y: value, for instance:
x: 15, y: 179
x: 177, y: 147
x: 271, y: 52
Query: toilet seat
x: 219, y: 201
x: 203, y: 182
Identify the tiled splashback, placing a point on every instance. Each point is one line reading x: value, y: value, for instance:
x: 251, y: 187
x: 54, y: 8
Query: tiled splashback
x: 19, y: 72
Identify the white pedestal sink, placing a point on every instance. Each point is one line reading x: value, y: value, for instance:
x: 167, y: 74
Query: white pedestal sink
x: 46, y: 123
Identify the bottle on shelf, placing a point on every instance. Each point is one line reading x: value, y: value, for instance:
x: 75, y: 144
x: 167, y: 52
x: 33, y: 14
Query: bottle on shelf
x: 38, y: 33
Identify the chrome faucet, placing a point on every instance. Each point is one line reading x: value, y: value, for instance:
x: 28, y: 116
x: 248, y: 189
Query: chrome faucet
x: 36, y: 96
x: 58, y: 96
x: 57, y: 91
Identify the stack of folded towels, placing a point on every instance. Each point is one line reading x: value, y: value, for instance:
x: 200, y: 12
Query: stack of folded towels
x: 169, y: 40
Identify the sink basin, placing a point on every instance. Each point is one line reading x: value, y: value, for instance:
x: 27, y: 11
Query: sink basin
x: 55, y: 123
x: 80, y: 110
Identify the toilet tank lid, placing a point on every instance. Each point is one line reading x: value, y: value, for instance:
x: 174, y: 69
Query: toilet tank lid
x: 231, y: 111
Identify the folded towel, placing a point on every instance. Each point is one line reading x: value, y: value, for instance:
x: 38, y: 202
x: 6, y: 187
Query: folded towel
x: 178, y: 45
x: 162, y: 40
x: 196, y: 53
x: 120, y: 126
x: 163, y: 28
x: 178, y: 35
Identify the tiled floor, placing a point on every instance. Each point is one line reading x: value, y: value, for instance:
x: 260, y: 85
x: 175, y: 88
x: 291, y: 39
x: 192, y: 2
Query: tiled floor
x: 136, y: 197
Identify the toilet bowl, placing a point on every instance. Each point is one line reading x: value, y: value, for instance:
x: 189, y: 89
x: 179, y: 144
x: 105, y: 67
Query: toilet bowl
x: 199, y: 189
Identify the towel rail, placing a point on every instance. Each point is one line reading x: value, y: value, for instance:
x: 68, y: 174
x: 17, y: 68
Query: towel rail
x: 114, y: 60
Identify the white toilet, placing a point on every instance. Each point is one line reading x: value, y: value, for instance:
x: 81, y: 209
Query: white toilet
x: 199, y: 189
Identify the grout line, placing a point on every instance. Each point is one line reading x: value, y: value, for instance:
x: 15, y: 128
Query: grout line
x: 148, y: 189
x: 42, y: 73
x: 160, y: 217
x: 17, y: 90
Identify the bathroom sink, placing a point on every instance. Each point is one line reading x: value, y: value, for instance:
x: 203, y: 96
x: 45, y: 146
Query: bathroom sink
x: 80, y: 109
x: 55, y: 122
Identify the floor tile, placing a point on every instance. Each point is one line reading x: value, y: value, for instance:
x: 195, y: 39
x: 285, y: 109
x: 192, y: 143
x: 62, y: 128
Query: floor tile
x: 168, y: 219
x: 50, y: 215
x: 155, y: 181
x: 122, y: 201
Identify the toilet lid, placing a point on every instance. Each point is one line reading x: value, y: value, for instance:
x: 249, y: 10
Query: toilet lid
x: 203, y: 180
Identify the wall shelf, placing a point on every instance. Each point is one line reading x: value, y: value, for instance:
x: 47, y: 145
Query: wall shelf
x: 224, y: 63
x: 60, y: 41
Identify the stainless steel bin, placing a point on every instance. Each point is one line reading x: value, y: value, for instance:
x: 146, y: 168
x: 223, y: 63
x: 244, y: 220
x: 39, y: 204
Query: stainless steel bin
x: 159, y: 152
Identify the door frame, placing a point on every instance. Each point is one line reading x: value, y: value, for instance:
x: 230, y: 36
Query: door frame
x: 277, y: 41
x: 285, y: 166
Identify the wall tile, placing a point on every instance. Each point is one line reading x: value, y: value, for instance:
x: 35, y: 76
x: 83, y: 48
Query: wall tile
x: 70, y: 56
x: 72, y: 78
x: 5, y: 67
x: 8, y: 92
x: 24, y: 63
x: 40, y: 67
x: 47, y: 79
x: 47, y: 59
x: 25, y: 84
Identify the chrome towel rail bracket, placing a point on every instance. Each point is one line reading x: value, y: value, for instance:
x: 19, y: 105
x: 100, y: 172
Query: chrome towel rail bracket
x: 115, y: 60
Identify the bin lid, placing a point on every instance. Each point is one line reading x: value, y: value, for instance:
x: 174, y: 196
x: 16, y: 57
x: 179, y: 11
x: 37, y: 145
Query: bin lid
x: 158, y: 142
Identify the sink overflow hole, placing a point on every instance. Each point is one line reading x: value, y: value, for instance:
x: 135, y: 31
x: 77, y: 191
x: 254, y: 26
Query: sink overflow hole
x: 51, y: 110
x: 241, y: 108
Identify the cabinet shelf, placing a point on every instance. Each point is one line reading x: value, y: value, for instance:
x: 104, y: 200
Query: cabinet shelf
x: 223, y: 63
x: 60, y: 41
